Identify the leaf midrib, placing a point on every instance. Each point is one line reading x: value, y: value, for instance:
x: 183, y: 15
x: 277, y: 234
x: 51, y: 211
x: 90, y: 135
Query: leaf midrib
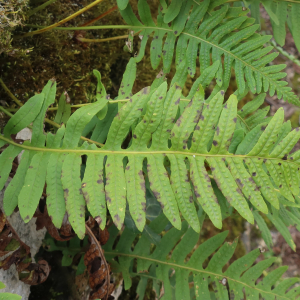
x: 124, y: 152
x: 116, y: 253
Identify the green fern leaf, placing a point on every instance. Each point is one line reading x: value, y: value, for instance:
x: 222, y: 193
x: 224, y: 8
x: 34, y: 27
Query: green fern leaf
x: 55, y: 194
x: 161, y: 188
x: 10, y: 200
x: 207, y: 123
x: 115, y: 189
x: 280, y: 12
x: 136, y: 190
x: 93, y: 187
x: 224, y: 32
x: 225, y: 128
x: 162, y: 133
x: 265, y: 232
x: 229, y: 187
x: 6, y: 161
x: 182, y: 190
x: 25, y: 115
x: 281, y: 227
x: 128, y: 80
x: 174, y: 154
x: 184, y: 127
x: 124, y: 119
x: 79, y: 120
x: 179, y: 250
x: 64, y: 110
x: 33, y: 185
x: 269, y: 136
x: 246, y: 184
x: 151, y: 120
x: 203, y: 190
x: 75, y: 204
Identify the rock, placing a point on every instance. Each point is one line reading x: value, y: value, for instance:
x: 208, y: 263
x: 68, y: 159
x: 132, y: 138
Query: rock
x: 30, y: 236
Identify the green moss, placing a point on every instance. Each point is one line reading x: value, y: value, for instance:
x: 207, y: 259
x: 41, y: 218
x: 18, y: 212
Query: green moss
x: 12, y: 14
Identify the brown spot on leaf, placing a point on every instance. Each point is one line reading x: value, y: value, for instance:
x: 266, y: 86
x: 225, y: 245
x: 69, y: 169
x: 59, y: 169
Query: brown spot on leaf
x: 144, y: 206
x: 161, y: 205
x: 239, y: 182
x: 156, y: 194
x: 239, y: 191
x: 66, y: 192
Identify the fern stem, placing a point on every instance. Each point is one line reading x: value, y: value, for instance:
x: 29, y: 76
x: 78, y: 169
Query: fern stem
x: 125, y: 152
x: 10, y: 94
x: 62, y: 21
x: 285, y: 53
x: 248, y: 128
x: 103, y: 40
x: 93, y: 27
x: 81, y: 105
x: 42, y: 6
x: 6, y: 111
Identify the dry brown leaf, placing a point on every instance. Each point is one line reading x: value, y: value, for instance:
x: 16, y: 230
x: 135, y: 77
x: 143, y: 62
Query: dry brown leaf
x: 30, y: 273
x: 99, y: 270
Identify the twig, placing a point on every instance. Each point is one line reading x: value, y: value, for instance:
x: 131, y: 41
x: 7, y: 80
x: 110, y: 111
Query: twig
x: 101, y: 16
x: 92, y: 236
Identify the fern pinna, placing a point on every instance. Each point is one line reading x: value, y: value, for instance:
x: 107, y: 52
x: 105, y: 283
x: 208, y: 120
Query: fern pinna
x: 280, y: 13
x: 175, y: 266
x: 209, y: 30
x: 187, y: 156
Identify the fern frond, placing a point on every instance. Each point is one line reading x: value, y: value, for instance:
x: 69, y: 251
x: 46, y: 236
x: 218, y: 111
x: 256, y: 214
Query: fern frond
x: 180, y: 252
x: 225, y: 34
x: 280, y: 13
x: 179, y: 155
